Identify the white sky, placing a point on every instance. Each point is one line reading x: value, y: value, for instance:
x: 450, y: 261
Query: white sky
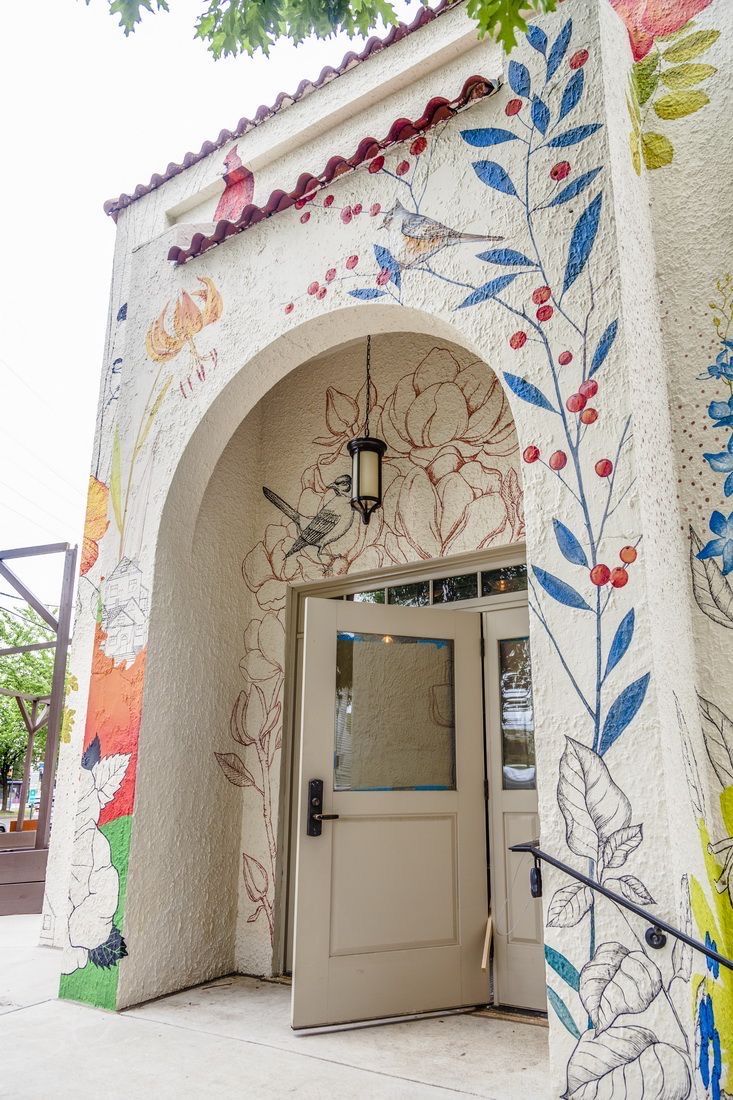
x: 86, y: 114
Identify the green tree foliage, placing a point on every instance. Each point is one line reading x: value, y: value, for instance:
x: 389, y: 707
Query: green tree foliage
x: 231, y: 27
x: 27, y: 672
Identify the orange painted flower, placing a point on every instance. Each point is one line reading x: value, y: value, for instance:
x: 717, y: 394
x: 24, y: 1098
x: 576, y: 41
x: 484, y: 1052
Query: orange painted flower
x: 96, y: 523
x: 649, y: 19
x: 189, y: 318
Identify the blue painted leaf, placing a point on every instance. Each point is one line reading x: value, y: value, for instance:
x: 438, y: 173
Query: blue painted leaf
x: 574, y: 188
x: 367, y: 293
x: 621, y: 641
x: 489, y: 135
x: 559, y: 49
x: 582, y: 240
x: 386, y: 260
x: 572, y: 137
x: 570, y: 548
x: 519, y: 81
x: 493, y: 175
x: 559, y: 590
x: 488, y: 290
x: 563, y: 1012
x: 527, y: 391
x: 506, y: 256
x: 562, y: 967
x: 622, y: 711
x: 571, y: 95
x: 604, y: 346
x: 540, y: 115
x: 537, y: 38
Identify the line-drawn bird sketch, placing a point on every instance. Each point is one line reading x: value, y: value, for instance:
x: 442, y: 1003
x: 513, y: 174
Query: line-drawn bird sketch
x: 330, y: 523
x: 416, y: 239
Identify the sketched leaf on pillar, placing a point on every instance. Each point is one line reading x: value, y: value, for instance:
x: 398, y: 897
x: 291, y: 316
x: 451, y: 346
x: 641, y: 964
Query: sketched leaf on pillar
x: 717, y: 729
x: 256, y: 879
x: 569, y: 905
x: 712, y: 591
x: 621, y: 844
x: 108, y: 776
x: 617, y: 981
x: 682, y: 952
x: 624, y: 1062
x: 593, y: 806
x: 633, y: 889
x: 235, y: 769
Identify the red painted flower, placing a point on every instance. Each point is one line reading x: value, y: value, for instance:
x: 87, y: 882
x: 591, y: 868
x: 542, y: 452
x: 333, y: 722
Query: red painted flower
x: 418, y: 146
x: 648, y: 19
x: 513, y: 107
x: 517, y: 340
x: 402, y: 167
x: 578, y: 60
x: 560, y: 170
x: 376, y: 165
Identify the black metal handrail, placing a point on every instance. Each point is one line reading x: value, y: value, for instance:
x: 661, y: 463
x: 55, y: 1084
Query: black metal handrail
x: 655, y: 935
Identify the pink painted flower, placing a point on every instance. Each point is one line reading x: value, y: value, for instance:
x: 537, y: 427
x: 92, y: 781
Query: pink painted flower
x: 648, y: 19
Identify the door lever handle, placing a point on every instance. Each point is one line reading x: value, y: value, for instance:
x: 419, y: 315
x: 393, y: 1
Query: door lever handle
x: 325, y: 817
x: 315, y: 805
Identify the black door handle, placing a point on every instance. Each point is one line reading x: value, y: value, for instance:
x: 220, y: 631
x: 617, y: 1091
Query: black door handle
x: 325, y: 817
x: 315, y: 805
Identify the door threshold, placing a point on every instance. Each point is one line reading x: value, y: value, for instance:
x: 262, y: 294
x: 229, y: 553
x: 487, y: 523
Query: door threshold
x: 353, y: 1025
x: 516, y: 1015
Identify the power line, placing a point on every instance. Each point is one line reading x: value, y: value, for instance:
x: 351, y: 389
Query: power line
x: 33, y: 454
x: 33, y: 502
x: 25, y: 618
x: 46, y: 530
x: 24, y: 382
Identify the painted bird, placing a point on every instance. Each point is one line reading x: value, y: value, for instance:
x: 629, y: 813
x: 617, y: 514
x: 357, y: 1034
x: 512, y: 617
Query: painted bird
x: 330, y: 523
x: 417, y: 239
x: 239, y: 187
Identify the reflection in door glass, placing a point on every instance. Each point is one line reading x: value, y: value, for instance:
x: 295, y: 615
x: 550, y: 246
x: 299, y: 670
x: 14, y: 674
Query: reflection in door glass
x: 395, y: 726
x: 410, y: 595
x: 517, y: 715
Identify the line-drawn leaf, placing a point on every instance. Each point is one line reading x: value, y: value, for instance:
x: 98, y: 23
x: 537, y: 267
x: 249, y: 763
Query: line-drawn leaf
x: 717, y: 731
x: 692, y: 772
x: 571, y: 95
x: 108, y: 774
x: 593, y: 806
x: 621, y: 844
x: 604, y: 346
x: 493, y: 175
x: 569, y: 905
x: 682, y: 952
x: 685, y: 76
x: 489, y: 135
x: 657, y: 149
x: 540, y: 115
x: 680, y: 104
x: 366, y: 293
x: 687, y: 48
x: 527, y: 391
x: 115, y: 479
x: 621, y: 641
x: 562, y: 967
x: 570, y: 548
x: 559, y: 48
x: 572, y: 137
x: 559, y: 590
x: 616, y: 981
x: 575, y: 187
x: 154, y: 410
x: 563, y: 1012
x: 235, y: 769
x: 488, y: 290
x: 623, y: 1062
x: 633, y: 889
x: 537, y: 38
x: 712, y: 591
x: 623, y: 710
x: 506, y: 256
x: 582, y: 240
x: 387, y: 262
x: 645, y: 78
x: 519, y: 81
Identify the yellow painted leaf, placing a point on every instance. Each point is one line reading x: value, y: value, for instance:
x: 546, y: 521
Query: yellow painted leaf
x: 675, y: 34
x: 657, y: 149
x: 634, y: 142
x: 679, y: 104
x: 633, y: 108
x: 645, y: 78
x: 115, y: 480
x: 687, y: 48
x: 684, y: 76
x: 154, y: 409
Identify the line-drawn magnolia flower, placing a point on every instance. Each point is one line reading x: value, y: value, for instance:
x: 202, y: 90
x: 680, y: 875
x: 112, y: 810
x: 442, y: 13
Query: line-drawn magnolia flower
x: 257, y: 885
x: 267, y: 569
x: 649, y: 19
x: 264, y: 645
x: 187, y: 321
x: 252, y: 718
x: 96, y: 523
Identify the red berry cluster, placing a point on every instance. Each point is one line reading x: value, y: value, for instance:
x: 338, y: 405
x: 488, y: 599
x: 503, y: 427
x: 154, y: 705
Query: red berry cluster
x: 578, y: 402
x: 601, y: 575
x: 347, y: 213
x: 318, y: 290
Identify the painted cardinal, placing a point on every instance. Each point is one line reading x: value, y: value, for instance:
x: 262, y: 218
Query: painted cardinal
x: 239, y: 187
x: 330, y: 523
x: 416, y: 239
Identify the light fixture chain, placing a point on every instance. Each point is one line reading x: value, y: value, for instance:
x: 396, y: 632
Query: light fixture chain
x: 368, y: 384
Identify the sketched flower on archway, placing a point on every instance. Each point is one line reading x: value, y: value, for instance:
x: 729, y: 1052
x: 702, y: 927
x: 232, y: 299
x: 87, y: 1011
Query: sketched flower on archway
x: 96, y: 523
x: 264, y: 646
x: 649, y: 19
x: 252, y: 718
x: 168, y: 335
x: 267, y: 569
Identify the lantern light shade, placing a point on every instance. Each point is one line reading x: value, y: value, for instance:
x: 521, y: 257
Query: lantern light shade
x: 366, y: 474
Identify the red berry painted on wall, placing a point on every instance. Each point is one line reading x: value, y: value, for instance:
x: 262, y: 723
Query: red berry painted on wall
x: 376, y: 165
x: 402, y: 167
x: 328, y: 201
x: 358, y: 208
x: 578, y: 60
x: 313, y: 287
x: 513, y: 107
x: 375, y: 208
x: 558, y: 460
x: 589, y: 416
x: 321, y: 292
x: 600, y: 574
x: 564, y: 358
x: 306, y: 217
x: 544, y: 313
x: 330, y: 274
x: 418, y: 146
x: 560, y: 170
x: 346, y: 215
x: 383, y: 276
x: 575, y: 403
x: 541, y: 294
x: 290, y: 307
x: 619, y: 577
x: 531, y: 454
x: 604, y: 467
x: 352, y: 262
x: 589, y: 388
x: 628, y: 555
x: 517, y: 340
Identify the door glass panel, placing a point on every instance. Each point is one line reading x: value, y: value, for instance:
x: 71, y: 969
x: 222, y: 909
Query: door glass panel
x: 410, y: 595
x: 517, y: 715
x: 448, y: 589
x: 395, y: 724
x: 375, y: 596
x: 509, y: 578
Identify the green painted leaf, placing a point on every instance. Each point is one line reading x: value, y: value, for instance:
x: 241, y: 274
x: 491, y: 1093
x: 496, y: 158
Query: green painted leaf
x: 679, y: 104
x: 657, y: 149
x: 562, y: 967
x: 645, y: 78
x: 684, y: 76
x: 687, y: 48
x: 563, y: 1012
x: 115, y: 479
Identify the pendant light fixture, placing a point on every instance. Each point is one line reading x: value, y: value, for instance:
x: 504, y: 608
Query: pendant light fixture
x: 366, y: 459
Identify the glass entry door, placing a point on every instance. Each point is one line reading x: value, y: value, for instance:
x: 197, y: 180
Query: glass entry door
x: 391, y: 888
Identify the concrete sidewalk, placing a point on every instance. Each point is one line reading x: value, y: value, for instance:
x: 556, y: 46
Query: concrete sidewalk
x: 233, y: 1035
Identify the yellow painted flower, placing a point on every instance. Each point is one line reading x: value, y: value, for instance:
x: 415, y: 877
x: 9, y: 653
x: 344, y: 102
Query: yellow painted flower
x: 188, y: 319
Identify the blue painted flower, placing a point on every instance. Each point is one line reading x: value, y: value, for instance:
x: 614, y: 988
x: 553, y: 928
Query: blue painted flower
x: 722, y: 367
x: 710, y: 1061
x: 722, y: 463
x: 712, y: 964
x: 722, y: 413
x: 722, y: 546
